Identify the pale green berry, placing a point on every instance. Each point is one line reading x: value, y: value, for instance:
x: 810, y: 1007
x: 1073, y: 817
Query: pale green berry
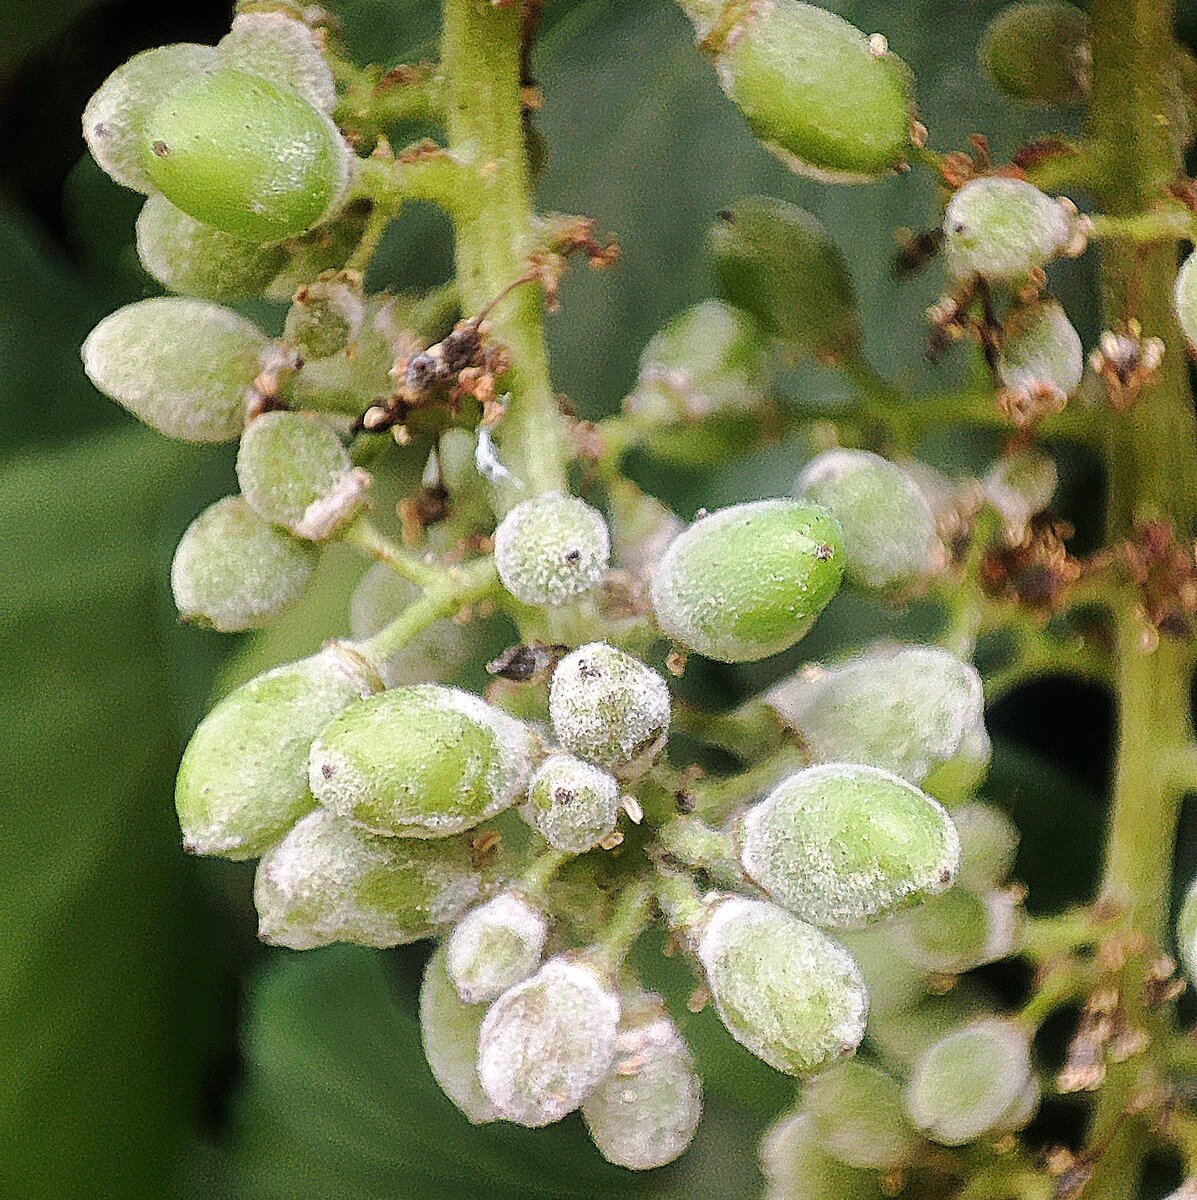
x: 1185, y: 298
x: 1039, y: 52
x: 183, y: 367
x: 748, y: 581
x: 548, y: 1042
x: 917, y: 711
x: 973, y: 1083
x: 988, y: 844
x: 608, y: 707
x: 840, y: 844
x: 796, y: 1166
x: 449, y: 1031
x: 1002, y: 229
x: 243, y: 781
x: 283, y: 49
x: 893, y: 982
x: 646, y: 1112
x: 495, y: 946
x: 858, y: 1112
x: 353, y: 378
x: 890, y: 538
x: 572, y: 804
x: 552, y: 549
x: 962, y: 929
x: 329, y: 880
x: 1186, y: 932
x: 1020, y: 486
x: 294, y: 472
x: 785, y: 991
x: 1041, y: 354
x: 327, y: 316
x: 779, y: 263
x: 641, y: 530
x: 115, y: 117
x: 828, y: 100
x: 246, y: 155
x: 422, y: 762
x: 194, y: 259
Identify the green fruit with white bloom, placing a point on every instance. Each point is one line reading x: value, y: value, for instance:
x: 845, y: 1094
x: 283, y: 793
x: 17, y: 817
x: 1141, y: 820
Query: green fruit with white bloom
x: 572, y: 804
x: 988, y: 844
x: 495, y: 946
x: 329, y: 880
x: 327, y: 316
x: 1041, y: 353
x: 184, y: 367
x: 962, y: 929
x: 796, y: 1166
x: 748, y: 581
x: 283, y: 49
x: 420, y: 762
x: 1020, y: 486
x: 1184, y: 298
x: 839, y: 844
x: 1039, y: 52
x: 243, y: 781
x: 858, y: 1112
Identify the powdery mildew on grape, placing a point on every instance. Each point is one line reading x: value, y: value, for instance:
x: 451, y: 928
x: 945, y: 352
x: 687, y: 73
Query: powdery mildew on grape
x: 796, y: 1167
x: 858, y: 1112
x: 495, y: 946
x: 546, y: 1044
x: 572, y: 804
x: 1042, y: 351
x: 988, y: 844
x: 962, y: 929
x: 283, y: 49
x: 1020, y: 486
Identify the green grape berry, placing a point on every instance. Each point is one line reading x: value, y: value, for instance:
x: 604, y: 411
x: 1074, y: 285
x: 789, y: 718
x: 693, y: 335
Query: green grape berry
x: 212, y: 148
x: 327, y: 316
x: 572, y: 804
x: 294, y: 472
x: 184, y: 367
x: 1039, y: 52
x: 797, y: 1166
x: 778, y: 263
x: 329, y: 880
x: 608, y: 707
x: 988, y: 844
x: 748, y: 581
x: 1041, y: 354
x: 420, y: 762
x: 283, y: 49
x: 243, y: 781
x: 858, y: 1113
x: 1185, y: 298
x: 1186, y: 932
x: 890, y: 538
x: 495, y: 946
x: 962, y: 929
x: 1020, y: 486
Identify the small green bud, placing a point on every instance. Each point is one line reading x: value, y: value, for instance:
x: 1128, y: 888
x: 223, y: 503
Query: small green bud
x: 779, y: 263
x: 1021, y: 486
x: 748, y: 581
x: 890, y: 537
x: 972, y: 1083
x: 645, y: 1113
x: 234, y: 571
x: 295, y: 472
x: 422, y: 762
x: 988, y: 844
x: 917, y: 711
x: 327, y: 316
x: 495, y: 946
x: 858, y: 1114
x: 785, y: 991
x: 449, y: 1030
x: 1185, y: 298
x: 1039, y: 53
x: 329, y: 880
x: 962, y: 929
x: 796, y: 1166
x: 1002, y: 229
x: 552, y: 549
x: 282, y: 49
x: 608, y: 707
x: 1041, y: 355
x: 829, y: 101
x: 212, y: 149
x: 548, y: 1042
x: 182, y: 366
x: 1186, y: 932
x: 572, y: 804
x: 115, y: 117
x: 243, y: 781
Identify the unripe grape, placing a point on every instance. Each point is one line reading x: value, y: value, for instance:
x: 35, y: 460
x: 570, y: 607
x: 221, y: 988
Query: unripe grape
x: 495, y: 946
x: 548, y: 1042
x: 797, y: 1167
x: 962, y: 929
x: 326, y: 248
x: 234, y: 571
x: 988, y: 844
x: 552, y: 549
x: 645, y: 1113
x: 1020, y: 486
x: 1185, y: 298
x: 825, y: 98
x: 890, y: 538
x: 779, y: 263
x: 449, y: 1030
x: 1186, y: 932
x: 1002, y: 229
x: 182, y: 366
x: 642, y: 528
x: 972, y: 1083
x: 748, y: 581
x: 917, y: 711
x: 608, y: 707
x: 329, y: 880
x: 295, y: 472
x: 1041, y: 353
x: 243, y: 781
x: 283, y: 49
x: 839, y: 844
x: 572, y: 804
x: 1039, y: 52
x: 246, y: 155
x: 353, y: 378
x: 115, y: 117
x: 858, y: 1114
x: 785, y: 991
x: 326, y: 317
x: 422, y: 762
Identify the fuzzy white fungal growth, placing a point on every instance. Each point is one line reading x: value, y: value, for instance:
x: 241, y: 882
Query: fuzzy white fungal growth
x: 572, y: 804
x: 278, y: 47
x: 496, y: 946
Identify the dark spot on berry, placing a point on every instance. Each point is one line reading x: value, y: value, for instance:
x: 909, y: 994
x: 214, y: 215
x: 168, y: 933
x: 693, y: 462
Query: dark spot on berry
x: 824, y: 552
x: 573, y: 557
x: 945, y: 876
x: 160, y: 149
x: 327, y: 771
x: 563, y: 795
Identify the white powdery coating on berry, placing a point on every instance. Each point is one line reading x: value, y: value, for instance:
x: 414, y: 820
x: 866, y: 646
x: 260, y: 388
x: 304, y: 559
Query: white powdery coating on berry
x: 1042, y: 350
x: 607, y: 706
x: 280, y: 48
x: 645, y: 1113
x: 546, y: 1044
x: 965, y: 928
x: 988, y: 844
x: 552, y: 549
x: 572, y: 804
x: 858, y: 1112
x: 1021, y: 486
x: 1184, y: 298
x: 496, y: 946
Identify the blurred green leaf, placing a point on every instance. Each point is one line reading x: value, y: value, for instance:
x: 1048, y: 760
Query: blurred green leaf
x: 27, y: 24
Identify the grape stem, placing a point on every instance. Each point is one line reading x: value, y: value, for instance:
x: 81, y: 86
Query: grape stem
x: 628, y: 920
x: 365, y: 535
